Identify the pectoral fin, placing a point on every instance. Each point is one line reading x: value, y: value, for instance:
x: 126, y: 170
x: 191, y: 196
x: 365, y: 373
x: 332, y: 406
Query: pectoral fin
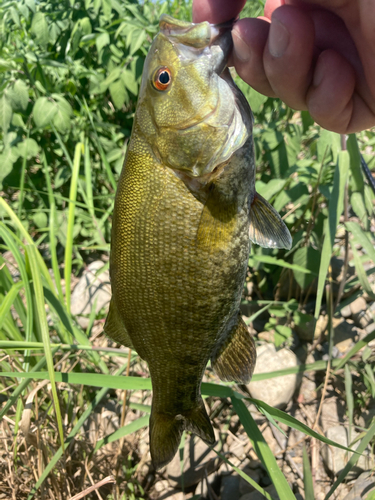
x: 267, y: 229
x: 235, y: 359
x: 115, y: 328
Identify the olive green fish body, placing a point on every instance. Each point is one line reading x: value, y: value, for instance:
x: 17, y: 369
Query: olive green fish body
x: 180, y: 236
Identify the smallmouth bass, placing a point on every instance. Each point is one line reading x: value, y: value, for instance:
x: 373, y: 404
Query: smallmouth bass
x: 186, y: 209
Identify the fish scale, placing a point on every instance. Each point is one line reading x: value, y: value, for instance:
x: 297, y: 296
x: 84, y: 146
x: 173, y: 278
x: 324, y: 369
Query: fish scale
x: 184, y: 210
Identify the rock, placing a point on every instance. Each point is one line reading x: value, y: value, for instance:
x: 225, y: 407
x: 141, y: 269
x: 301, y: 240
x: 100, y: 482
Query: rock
x: 346, y: 311
x: 199, y: 460
x: 89, y: 290
x: 358, y: 305
x: 362, y: 487
x: 332, y: 414
x: 230, y: 487
x: 345, y: 334
x: 336, y: 458
x: 307, y: 390
x: 275, y: 391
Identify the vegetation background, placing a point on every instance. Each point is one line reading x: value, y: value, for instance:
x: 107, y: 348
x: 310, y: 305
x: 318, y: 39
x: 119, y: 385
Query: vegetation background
x: 69, y: 77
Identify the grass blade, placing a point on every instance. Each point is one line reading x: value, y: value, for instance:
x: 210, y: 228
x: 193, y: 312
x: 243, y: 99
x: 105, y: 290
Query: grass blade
x: 247, y: 478
x: 284, y: 418
x: 262, y: 450
x: 16, y: 393
x: 123, y: 431
x: 336, y: 205
x: 70, y: 229
x: 307, y: 476
x: 41, y: 317
x: 98, y: 397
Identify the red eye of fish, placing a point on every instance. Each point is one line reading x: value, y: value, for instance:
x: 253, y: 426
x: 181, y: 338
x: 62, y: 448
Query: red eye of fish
x: 162, y: 78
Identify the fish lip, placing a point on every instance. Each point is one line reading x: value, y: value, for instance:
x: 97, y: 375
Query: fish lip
x: 221, y: 35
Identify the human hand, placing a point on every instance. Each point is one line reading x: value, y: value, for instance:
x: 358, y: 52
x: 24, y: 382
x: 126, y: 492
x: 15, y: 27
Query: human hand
x: 310, y: 57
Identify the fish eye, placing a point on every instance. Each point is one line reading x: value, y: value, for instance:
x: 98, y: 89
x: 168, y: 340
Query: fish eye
x: 162, y: 78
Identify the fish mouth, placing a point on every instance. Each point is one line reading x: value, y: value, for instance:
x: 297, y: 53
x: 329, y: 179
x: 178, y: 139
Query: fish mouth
x: 200, y: 36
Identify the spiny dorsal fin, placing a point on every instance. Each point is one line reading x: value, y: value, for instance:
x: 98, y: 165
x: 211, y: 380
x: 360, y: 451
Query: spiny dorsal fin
x: 235, y: 359
x: 115, y: 329
x: 267, y: 229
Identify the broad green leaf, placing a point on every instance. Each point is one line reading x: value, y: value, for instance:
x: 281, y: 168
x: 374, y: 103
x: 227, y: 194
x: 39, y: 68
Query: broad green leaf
x: 5, y: 113
x: 282, y: 333
x: 137, y: 40
x: 7, y: 158
x: 118, y: 94
x: 17, y: 120
x: 39, y: 28
x: 28, y: 148
x: 44, y: 111
x: 18, y: 95
x: 40, y: 219
x: 128, y: 80
x: 61, y: 120
x: 306, y: 258
x: 269, y: 189
x: 101, y: 41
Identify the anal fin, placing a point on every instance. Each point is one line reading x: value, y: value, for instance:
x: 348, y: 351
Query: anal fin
x: 235, y: 359
x: 115, y: 328
x: 267, y: 229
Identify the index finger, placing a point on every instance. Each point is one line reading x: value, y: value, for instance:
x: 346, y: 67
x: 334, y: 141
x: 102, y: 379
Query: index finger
x: 216, y: 11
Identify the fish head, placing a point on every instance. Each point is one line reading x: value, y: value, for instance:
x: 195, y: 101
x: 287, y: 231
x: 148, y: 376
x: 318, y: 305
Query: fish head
x: 187, y: 109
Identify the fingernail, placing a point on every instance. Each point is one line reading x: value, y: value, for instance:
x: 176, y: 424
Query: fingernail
x: 241, y: 50
x: 278, y: 40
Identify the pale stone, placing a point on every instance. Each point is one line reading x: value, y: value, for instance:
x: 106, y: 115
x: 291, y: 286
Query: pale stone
x: 336, y: 458
x: 199, y: 460
x: 363, y: 486
x: 90, y: 290
x: 276, y: 391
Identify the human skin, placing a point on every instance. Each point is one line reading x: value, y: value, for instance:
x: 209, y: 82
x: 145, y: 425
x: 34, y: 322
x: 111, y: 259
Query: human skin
x: 316, y: 56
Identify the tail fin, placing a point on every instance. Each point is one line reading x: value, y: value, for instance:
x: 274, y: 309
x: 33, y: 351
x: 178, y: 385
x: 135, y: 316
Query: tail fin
x: 166, y: 431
